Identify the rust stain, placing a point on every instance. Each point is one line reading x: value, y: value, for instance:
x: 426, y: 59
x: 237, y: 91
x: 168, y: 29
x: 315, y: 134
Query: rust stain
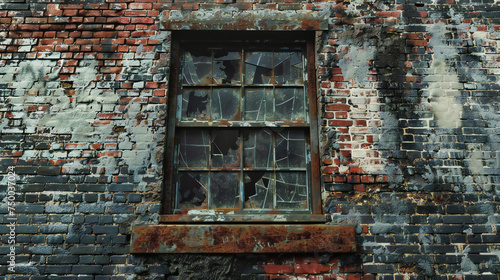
x: 243, y: 239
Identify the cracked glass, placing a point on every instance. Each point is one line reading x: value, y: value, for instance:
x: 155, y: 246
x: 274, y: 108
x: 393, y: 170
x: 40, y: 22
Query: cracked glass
x: 232, y: 151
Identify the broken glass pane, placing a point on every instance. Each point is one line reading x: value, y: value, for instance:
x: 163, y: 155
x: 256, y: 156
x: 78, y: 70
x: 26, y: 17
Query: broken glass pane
x: 288, y: 68
x: 195, y: 103
x: 290, y: 149
x: 227, y: 67
x: 291, y: 190
x: 192, y: 190
x: 225, y: 189
x: 225, y: 149
x: 194, y: 149
x: 197, y: 67
x: 289, y: 104
x: 258, y: 152
x: 226, y: 104
x: 258, y: 104
x: 258, y: 67
x: 259, y: 190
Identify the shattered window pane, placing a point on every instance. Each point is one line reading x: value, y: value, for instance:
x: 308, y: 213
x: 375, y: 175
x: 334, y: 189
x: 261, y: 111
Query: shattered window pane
x: 259, y: 190
x: 226, y: 67
x: 258, y: 151
x: 258, y: 67
x: 291, y: 190
x: 194, y: 149
x: 232, y: 105
x: 290, y: 149
x: 192, y: 191
x: 225, y: 149
x: 290, y: 104
x: 226, y: 104
x: 258, y: 104
x: 225, y: 189
x: 288, y: 68
x: 195, y: 104
x: 197, y: 68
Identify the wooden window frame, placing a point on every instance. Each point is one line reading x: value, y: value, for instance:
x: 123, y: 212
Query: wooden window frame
x: 315, y: 214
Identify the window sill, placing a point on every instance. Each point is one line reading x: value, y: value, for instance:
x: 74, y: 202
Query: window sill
x: 243, y: 238
x: 213, y: 216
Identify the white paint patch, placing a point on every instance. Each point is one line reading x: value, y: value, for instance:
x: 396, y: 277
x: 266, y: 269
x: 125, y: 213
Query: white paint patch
x: 355, y: 63
x: 443, y: 82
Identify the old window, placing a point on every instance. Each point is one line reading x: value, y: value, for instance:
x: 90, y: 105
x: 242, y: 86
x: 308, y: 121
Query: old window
x: 242, y: 132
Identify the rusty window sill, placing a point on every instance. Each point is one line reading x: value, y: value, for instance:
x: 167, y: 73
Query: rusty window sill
x: 243, y: 238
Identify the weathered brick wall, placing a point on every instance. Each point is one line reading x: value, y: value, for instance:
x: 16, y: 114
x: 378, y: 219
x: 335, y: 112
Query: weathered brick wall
x: 410, y: 131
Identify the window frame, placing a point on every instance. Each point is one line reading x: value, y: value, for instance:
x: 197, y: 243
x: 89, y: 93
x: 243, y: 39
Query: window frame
x: 281, y: 37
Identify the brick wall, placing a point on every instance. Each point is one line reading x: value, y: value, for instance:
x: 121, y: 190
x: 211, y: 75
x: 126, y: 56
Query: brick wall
x: 409, y: 139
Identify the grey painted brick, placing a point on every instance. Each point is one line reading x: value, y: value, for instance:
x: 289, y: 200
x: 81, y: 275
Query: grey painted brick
x: 120, y: 209
x: 61, y: 208
x: 106, y: 229
x: 86, y: 269
x: 60, y: 187
x: 122, y: 187
x: 28, y: 229
x: 41, y: 249
x: 54, y: 228
x: 55, y: 239
x: 134, y: 197
x: 49, y: 170
x: 91, y: 187
x: 57, y: 269
x: 86, y: 250
x: 30, y: 208
x: 62, y: 259
x: 91, y: 208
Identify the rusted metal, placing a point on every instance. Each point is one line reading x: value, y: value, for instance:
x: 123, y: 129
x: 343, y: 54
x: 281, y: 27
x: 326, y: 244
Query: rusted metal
x: 168, y: 188
x: 243, y: 239
x: 269, y: 20
x: 316, y: 205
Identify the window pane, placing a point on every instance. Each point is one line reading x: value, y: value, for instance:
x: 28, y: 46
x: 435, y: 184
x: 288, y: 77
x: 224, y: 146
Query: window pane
x: 291, y: 190
x: 227, y: 67
x: 258, y: 67
x: 288, y: 68
x: 259, y: 190
x: 192, y: 190
x: 225, y: 189
x: 290, y: 149
x: 197, y: 66
x: 193, y: 149
x: 226, y: 104
x: 258, y: 152
x: 195, y: 103
x: 289, y: 104
x: 258, y: 104
x: 225, y: 149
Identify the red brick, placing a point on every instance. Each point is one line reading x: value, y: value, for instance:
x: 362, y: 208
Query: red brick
x: 338, y: 107
x: 140, y: 6
x: 312, y: 268
x: 90, y: 13
x: 105, y: 34
x: 277, y: 269
x: 359, y: 187
x: 421, y: 43
x: 145, y: 20
x: 109, y: 154
x: 135, y: 13
x: 340, y: 123
x: 142, y: 33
